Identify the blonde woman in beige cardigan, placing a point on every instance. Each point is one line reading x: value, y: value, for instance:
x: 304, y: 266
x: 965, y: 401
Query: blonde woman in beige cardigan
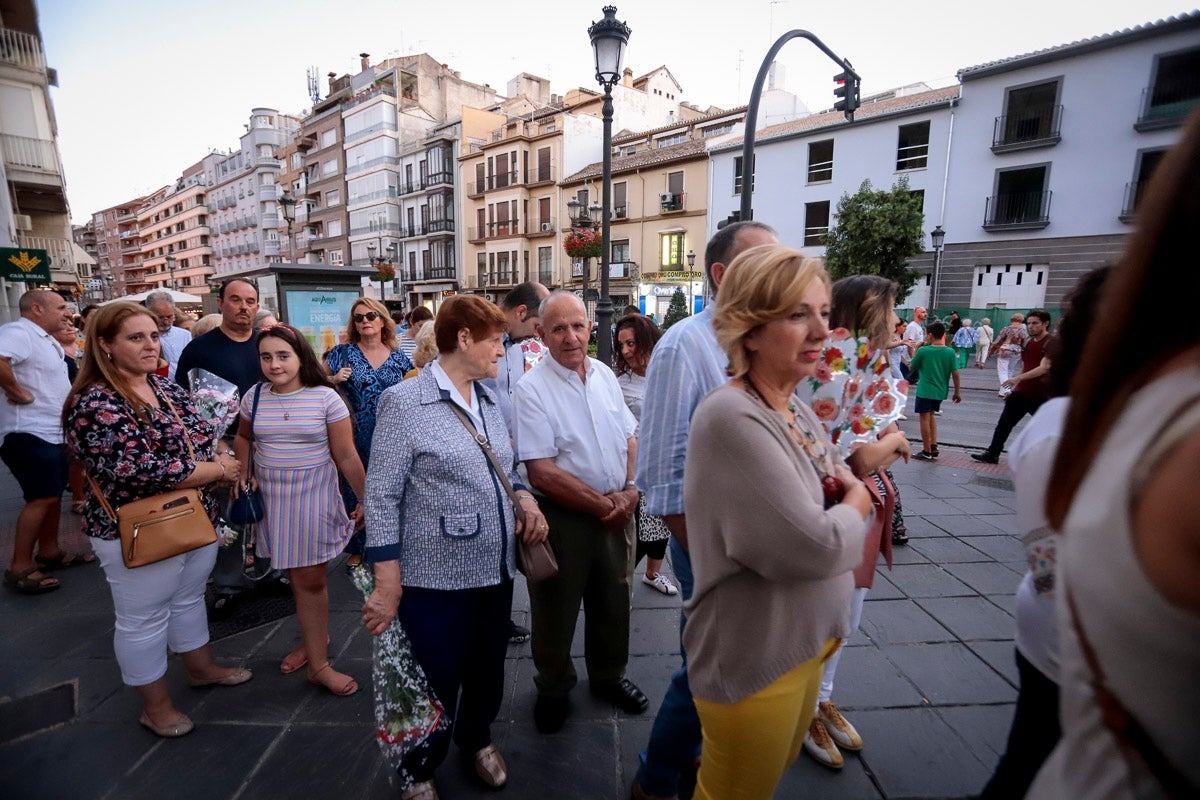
x: 775, y: 528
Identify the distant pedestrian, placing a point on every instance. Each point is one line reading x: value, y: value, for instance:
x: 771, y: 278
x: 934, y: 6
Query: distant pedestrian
x: 953, y: 326
x: 898, y: 352
x: 171, y: 338
x: 1030, y: 388
x: 914, y: 334
x: 937, y: 366
x: 964, y: 343
x: 418, y: 317
x: 1007, y: 348
x: 984, y: 342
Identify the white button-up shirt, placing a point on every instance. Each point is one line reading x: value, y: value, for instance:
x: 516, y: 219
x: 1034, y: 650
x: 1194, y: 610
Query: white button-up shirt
x: 446, y: 384
x: 172, y: 343
x: 38, y: 365
x: 584, y: 427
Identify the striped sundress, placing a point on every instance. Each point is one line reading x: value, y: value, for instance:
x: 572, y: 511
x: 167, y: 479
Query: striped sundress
x: 305, y: 521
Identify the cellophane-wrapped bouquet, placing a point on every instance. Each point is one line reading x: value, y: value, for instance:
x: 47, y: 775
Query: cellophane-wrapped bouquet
x: 852, y: 391
x: 216, y: 401
x: 407, y: 712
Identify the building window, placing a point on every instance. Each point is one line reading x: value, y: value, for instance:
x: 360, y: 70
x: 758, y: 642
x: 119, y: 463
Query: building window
x: 912, y: 149
x: 1031, y: 117
x: 671, y: 251
x: 545, y: 265
x: 737, y: 173
x: 335, y: 258
x: 1175, y: 92
x: 816, y: 223
x: 675, y: 138
x: 296, y: 161
x: 620, y: 252
x: 333, y: 198
x: 1021, y: 199
x: 673, y: 199
x: 620, y: 206
x: 716, y: 130
x: 820, y: 161
x: 333, y: 227
x: 1147, y: 161
x: 328, y: 138
x: 330, y: 167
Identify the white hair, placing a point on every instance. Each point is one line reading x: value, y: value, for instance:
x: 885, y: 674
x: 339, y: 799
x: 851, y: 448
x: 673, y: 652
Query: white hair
x: 158, y: 297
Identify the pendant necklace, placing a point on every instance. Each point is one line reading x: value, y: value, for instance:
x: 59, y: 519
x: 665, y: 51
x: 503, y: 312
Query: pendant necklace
x: 287, y: 413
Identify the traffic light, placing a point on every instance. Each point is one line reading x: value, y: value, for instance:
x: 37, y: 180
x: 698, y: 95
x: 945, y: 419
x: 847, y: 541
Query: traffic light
x: 846, y: 90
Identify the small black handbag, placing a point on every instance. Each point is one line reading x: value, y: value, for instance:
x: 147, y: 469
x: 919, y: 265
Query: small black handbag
x: 248, y: 509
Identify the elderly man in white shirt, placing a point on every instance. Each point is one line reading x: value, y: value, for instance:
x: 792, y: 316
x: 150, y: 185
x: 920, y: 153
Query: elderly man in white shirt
x: 33, y: 376
x: 575, y: 437
x: 171, y: 339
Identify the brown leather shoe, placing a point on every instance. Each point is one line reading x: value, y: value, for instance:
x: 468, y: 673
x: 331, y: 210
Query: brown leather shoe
x: 490, y: 767
x: 420, y: 791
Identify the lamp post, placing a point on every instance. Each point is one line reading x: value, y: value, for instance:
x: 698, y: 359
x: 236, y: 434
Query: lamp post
x: 938, y: 237
x: 691, y: 259
x: 287, y: 205
x: 171, y: 269
x: 584, y: 219
x: 381, y: 261
x: 609, y: 37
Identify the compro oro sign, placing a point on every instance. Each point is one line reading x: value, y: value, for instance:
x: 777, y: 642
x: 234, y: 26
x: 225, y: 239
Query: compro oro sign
x: 24, y: 264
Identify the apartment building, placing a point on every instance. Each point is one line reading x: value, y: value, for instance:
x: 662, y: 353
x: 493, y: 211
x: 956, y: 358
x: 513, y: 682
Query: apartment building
x: 427, y: 264
x: 118, y: 245
x: 33, y: 209
x: 175, y: 238
x: 659, y: 214
x: 323, y: 238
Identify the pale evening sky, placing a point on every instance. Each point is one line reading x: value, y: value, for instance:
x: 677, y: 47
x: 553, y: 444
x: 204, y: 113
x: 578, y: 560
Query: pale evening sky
x: 146, y: 90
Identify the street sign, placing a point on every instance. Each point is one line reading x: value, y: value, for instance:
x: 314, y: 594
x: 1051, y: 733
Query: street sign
x: 24, y: 264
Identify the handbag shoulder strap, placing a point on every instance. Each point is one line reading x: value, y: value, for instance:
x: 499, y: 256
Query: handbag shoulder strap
x: 491, y: 456
x: 253, y: 414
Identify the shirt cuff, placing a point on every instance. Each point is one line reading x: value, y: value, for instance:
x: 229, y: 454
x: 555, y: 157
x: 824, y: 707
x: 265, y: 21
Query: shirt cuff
x: 387, y: 552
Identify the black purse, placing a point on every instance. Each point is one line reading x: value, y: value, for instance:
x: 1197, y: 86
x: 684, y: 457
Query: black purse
x: 248, y: 508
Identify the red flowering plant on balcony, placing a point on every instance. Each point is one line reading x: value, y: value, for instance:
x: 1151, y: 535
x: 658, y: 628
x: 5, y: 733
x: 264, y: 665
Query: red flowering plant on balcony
x: 583, y: 243
x: 384, y: 271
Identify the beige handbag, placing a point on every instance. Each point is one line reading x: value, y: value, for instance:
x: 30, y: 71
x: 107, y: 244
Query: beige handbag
x: 163, y: 525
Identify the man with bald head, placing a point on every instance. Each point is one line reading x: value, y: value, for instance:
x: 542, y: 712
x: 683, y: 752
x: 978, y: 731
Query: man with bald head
x: 33, y: 376
x: 574, y: 435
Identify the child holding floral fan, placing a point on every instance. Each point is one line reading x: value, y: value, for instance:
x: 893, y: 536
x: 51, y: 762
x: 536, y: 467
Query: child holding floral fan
x: 301, y: 435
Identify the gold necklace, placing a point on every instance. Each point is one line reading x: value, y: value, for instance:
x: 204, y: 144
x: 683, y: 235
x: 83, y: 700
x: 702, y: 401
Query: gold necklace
x: 287, y: 413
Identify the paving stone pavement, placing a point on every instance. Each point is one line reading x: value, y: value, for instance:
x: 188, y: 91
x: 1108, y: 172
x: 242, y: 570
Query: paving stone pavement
x: 929, y: 682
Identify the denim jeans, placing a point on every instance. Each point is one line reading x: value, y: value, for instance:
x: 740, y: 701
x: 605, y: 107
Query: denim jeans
x: 675, y: 738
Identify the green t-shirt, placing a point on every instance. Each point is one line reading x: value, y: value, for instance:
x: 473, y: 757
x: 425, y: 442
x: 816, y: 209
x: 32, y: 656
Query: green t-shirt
x: 935, y: 362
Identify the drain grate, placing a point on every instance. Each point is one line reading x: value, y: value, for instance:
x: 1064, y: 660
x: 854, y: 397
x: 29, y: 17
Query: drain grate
x: 25, y: 716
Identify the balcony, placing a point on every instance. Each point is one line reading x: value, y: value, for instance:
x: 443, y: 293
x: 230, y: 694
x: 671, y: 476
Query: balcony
x: 1032, y: 128
x: 503, y: 180
x: 535, y: 176
x: 1166, y: 106
x: 623, y: 269
x: 270, y: 221
x: 387, y: 125
x: 438, y: 179
x: 475, y: 189
x: 407, y: 187
x: 672, y: 203
x: 496, y: 230
x: 22, y: 154
x: 620, y: 212
x: 368, y: 95
x: 443, y: 273
x: 270, y: 248
x: 21, y: 50
x: 409, y: 231
x: 1017, y: 212
x: 268, y: 192
x: 544, y: 227
x: 371, y: 164
x: 440, y: 226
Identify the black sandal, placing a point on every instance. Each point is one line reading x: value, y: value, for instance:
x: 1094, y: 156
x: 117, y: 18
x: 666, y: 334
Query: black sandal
x: 23, y: 583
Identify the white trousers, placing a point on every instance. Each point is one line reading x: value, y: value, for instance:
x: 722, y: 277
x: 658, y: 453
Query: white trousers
x: 856, y: 609
x: 1006, y: 360
x: 158, y: 606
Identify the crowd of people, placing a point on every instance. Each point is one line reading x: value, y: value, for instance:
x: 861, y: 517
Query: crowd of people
x: 506, y: 433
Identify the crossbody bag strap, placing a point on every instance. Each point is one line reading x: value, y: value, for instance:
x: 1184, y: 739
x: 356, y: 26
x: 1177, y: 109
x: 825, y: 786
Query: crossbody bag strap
x: 495, y: 462
x: 107, y: 506
x: 253, y: 414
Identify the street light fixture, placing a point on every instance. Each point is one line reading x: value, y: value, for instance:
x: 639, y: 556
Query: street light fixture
x: 171, y: 269
x: 584, y: 219
x: 381, y: 262
x: 287, y: 205
x: 609, y: 37
x: 937, y: 237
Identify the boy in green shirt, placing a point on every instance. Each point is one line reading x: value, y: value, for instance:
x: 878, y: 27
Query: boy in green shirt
x: 936, y: 365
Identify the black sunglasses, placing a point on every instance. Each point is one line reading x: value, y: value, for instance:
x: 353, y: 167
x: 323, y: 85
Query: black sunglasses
x: 370, y: 316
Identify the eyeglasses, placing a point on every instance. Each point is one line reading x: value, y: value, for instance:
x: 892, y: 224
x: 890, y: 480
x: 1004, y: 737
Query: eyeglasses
x: 370, y: 316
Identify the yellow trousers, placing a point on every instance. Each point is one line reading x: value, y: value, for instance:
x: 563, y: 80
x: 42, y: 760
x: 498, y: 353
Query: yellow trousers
x: 748, y: 745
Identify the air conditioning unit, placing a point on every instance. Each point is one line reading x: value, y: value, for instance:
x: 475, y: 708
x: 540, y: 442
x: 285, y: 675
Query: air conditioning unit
x: 667, y: 197
x: 22, y: 222
x: 547, y: 226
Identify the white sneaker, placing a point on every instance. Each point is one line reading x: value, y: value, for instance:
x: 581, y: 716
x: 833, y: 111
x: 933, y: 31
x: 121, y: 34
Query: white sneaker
x: 660, y: 583
x: 839, y: 728
x: 820, y: 746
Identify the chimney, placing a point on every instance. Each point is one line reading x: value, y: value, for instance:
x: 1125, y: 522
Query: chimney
x: 627, y: 78
x: 366, y: 60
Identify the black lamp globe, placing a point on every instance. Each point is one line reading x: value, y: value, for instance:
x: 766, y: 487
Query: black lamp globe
x: 609, y: 37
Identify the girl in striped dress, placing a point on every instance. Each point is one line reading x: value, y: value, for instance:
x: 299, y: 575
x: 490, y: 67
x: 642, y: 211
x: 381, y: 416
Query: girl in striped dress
x: 302, y: 436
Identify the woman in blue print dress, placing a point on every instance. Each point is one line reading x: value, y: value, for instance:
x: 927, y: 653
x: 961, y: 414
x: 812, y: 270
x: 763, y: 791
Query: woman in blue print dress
x: 362, y: 368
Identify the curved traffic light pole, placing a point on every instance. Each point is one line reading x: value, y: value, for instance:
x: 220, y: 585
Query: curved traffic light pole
x: 850, y: 103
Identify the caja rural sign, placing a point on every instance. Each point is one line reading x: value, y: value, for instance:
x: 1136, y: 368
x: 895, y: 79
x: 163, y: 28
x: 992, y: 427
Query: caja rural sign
x: 24, y: 264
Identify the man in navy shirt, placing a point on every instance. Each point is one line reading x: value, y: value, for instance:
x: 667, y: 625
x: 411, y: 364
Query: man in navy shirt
x: 229, y: 351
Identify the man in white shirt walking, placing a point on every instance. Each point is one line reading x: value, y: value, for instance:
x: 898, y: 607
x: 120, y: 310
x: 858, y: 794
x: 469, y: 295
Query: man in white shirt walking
x: 33, y: 376
x: 576, y: 438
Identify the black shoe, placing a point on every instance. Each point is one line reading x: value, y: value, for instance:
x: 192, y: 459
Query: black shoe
x: 516, y: 633
x: 899, y: 538
x: 924, y: 455
x: 622, y: 694
x: 985, y: 457
x: 934, y: 451
x: 550, y: 712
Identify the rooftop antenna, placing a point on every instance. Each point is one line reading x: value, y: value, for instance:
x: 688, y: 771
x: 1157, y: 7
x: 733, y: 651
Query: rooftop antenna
x: 313, y: 89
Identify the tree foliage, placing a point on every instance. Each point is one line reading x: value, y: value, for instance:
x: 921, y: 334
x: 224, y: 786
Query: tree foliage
x: 677, y: 310
x: 877, y: 232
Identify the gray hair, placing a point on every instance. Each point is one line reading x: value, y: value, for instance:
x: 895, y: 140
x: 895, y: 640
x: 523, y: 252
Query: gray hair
x: 158, y: 297
x: 556, y: 294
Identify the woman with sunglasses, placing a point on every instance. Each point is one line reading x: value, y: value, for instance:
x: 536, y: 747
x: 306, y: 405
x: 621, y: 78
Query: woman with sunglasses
x: 369, y: 362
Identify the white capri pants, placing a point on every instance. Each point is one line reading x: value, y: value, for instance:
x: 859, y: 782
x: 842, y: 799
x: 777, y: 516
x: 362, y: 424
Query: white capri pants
x: 158, y: 606
x: 831, y: 664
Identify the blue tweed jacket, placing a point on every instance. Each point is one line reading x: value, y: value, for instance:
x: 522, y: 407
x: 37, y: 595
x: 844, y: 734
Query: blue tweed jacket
x: 433, y: 500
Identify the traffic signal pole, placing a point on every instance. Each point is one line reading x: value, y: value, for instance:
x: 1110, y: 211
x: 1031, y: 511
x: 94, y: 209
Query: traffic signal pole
x: 849, y: 90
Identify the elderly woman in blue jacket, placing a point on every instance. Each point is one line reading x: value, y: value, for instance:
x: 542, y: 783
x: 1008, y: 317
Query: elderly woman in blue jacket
x: 441, y: 531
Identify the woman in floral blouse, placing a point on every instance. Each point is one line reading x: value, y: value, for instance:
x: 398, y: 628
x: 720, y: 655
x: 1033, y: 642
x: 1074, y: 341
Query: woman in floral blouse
x: 131, y: 430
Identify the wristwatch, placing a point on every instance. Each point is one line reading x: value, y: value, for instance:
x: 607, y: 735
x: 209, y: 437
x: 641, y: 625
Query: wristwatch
x: 631, y: 484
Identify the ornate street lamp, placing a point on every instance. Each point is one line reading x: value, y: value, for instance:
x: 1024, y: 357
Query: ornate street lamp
x: 171, y: 269
x: 937, y: 237
x: 382, y: 264
x: 582, y: 220
x: 287, y: 205
x: 609, y: 37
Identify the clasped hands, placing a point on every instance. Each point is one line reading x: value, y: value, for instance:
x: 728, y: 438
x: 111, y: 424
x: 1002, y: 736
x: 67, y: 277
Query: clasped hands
x: 625, y: 503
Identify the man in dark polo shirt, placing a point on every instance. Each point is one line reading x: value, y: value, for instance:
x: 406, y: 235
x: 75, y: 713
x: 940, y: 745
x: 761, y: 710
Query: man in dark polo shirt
x: 1032, y: 386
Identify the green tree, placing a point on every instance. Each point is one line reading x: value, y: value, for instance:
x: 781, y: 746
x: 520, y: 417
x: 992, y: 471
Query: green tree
x: 677, y: 310
x: 877, y: 232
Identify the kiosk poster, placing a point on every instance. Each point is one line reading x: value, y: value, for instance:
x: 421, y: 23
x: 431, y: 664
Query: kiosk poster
x: 320, y: 316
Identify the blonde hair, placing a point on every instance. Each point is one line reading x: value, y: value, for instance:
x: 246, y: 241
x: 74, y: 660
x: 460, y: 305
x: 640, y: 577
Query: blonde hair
x: 98, y: 367
x: 426, y: 349
x: 206, y: 324
x: 763, y: 284
x: 387, y: 334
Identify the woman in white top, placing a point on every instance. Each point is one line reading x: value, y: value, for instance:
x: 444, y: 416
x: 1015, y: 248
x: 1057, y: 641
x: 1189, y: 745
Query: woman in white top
x: 1123, y: 495
x: 984, y: 342
x: 635, y: 338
